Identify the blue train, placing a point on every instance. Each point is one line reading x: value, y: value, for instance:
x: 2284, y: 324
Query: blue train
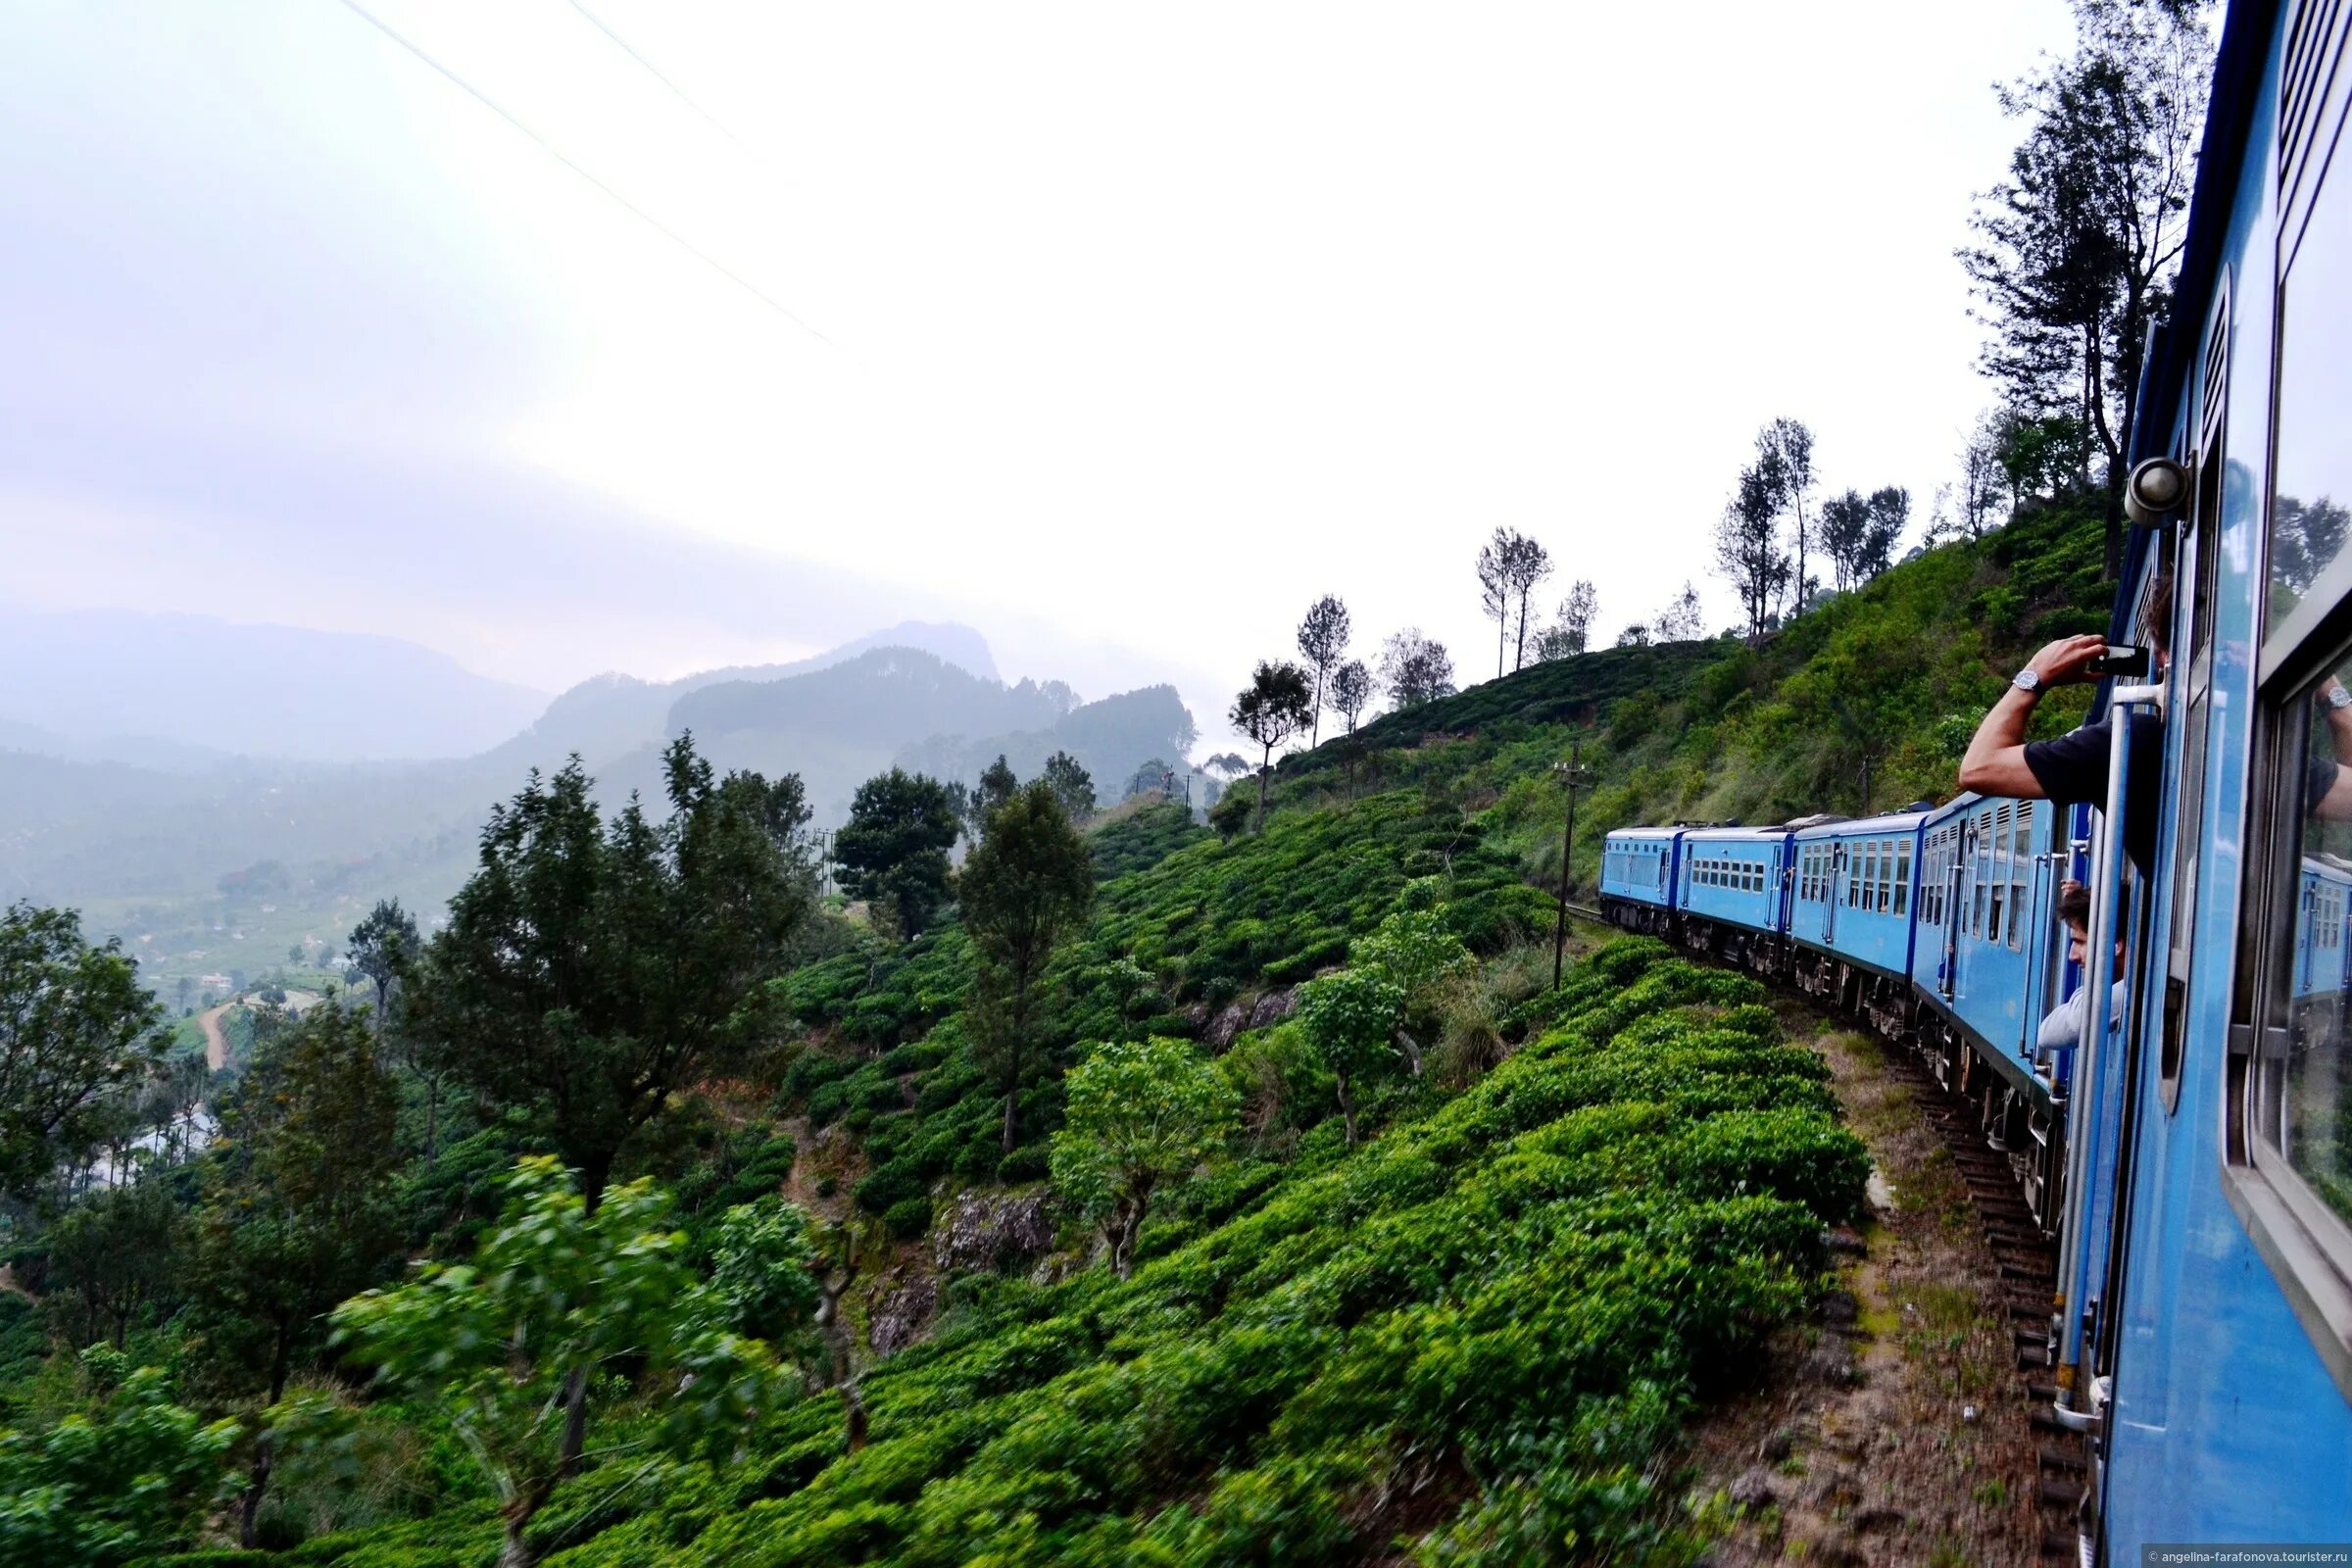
x: 2193, y: 1158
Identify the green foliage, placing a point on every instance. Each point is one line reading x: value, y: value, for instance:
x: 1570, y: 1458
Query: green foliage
x: 113, y: 1259
x: 762, y: 1270
x: 1524, y: 1288
x: 1349, y: 1019
x: 1021, y: 891
x: 76, y: 1027
x: 894, y: 848
x: 589, y: 971
x: 1141, y: 835
x: 1141, y: 1114
x: 132, y: 1478
x: 553, y: 1295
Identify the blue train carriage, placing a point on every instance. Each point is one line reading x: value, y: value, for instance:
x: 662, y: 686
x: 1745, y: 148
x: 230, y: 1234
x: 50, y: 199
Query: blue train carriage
x: 1853, y: 902
x: 1733, y: 893
x: 2204, y: 1324
x: 1638, y: 867
x: 1988, y: 960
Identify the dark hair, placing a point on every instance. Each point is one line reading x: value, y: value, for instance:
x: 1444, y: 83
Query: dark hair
x: 2160, y: 613
x: 2074, y: 906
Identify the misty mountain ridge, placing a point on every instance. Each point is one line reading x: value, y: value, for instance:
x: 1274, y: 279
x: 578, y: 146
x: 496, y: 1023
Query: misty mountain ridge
x: 169, y: 854
x: 175, y: 691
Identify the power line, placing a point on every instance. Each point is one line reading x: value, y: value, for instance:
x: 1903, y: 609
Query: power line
x: 557, y: 153
x: 653, y: 70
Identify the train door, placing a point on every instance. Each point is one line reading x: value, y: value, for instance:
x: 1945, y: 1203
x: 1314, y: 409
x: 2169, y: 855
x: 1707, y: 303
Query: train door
x: 1841, y: 879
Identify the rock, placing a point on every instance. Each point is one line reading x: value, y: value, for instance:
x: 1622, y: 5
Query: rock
x: 1230, y: 1020
x: 1776, y: 1447
x: 1272, y: 1008
x: 1754, y: 1490
x: 1845, y: 1240
x: 979, y: 1232
x: 901, y: 1312
x: 1838, y: 1309
x: 1967, y: 1412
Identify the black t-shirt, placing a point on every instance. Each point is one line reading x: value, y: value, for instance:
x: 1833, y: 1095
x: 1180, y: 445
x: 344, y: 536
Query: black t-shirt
x: 2074, y: 767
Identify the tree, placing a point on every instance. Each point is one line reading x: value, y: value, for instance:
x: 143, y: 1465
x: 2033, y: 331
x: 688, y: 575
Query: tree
x: 75, y: 1029
x: 1322, y: 640
x: 1635, y: 636
x: 894, y: 848
x: 1530, y: 566
x: 997, y: 786
x: 1981, y: 477
x: 1418, y: 952
x: 1858, y: 533
x: 1071, y: 785
x: 133, y: 1479
x: 1785, y: 466
x: 1350, y: 1020
x: 555, y: 1293
x: 2076, y: 242
x: 1747, y: 550
x: 1415, y: 668
x: 1271, y: 709
x: 589, y: 972
x: 296, y: 1215
x: 1142, y: 1114
x: 1682, y: 621
x: 1352, y: 690
x: 1574, y: 632
x: 1030, y: 881
x: 379, y: 951
x: 113, y: 1258
x: 1494, y: 591
x: 1231, y: 764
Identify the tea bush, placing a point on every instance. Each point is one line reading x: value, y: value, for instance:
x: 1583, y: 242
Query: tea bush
x: 1524, y: 1289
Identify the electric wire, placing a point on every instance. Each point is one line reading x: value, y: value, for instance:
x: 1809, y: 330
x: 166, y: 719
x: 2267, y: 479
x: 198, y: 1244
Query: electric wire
x: 558, y: 154
x: 655, y: 71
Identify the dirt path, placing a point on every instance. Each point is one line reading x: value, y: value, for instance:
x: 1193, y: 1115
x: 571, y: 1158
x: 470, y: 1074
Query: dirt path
x: 1892, y: 1430
x: 215, y: 1044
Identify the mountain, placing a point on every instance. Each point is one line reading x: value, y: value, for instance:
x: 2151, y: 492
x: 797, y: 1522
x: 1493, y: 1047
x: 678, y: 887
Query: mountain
x: 1111, y: 739
x: 182, y: 681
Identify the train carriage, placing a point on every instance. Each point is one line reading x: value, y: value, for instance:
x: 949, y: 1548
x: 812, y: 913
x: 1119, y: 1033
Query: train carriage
x: 1852, y: 912
x: 1638, y: 871
x: 1732, y: 891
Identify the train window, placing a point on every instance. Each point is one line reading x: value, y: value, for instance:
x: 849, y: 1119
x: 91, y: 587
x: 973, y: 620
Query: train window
x: 1999, y: 874
x: 1902, y: 877
x: 2310, y: 567
x: 2021, y: 874
x: 1885, y: 876
x: 2294, y: 1087
x: 1980, y: 859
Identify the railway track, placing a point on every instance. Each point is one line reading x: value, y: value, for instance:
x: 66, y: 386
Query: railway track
x: 2025, y: 1264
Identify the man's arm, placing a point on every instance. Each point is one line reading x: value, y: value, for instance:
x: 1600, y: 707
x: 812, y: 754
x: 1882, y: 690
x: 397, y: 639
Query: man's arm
x: 1995, y: 764
x: 2336, y: 802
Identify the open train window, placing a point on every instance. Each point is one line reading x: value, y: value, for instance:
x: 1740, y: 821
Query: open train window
x: 2196, y: 558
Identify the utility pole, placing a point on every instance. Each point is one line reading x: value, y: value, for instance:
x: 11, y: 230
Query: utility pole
x: 1573, y: 775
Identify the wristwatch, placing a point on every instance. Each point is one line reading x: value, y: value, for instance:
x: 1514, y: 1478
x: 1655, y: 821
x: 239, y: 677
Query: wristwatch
x: 2339, y: 697
x: 2027, y: 681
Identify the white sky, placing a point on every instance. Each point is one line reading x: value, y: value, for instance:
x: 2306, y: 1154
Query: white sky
x: 1140, y: 327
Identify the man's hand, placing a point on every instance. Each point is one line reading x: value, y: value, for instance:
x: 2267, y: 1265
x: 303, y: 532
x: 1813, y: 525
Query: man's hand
x: 2067, y: 661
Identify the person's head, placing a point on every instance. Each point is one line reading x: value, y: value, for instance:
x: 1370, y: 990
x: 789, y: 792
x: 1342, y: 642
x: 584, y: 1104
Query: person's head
x: 2159, y: 627
x: 2074, y: 910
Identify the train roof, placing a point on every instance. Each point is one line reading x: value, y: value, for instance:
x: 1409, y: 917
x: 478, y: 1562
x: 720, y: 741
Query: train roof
x: 1736, y: 835
x: 1865, y: 827
x: 1643, y: 832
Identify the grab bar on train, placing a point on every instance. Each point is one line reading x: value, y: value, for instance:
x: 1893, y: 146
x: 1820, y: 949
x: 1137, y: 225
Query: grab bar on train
x: 2090, y: 1058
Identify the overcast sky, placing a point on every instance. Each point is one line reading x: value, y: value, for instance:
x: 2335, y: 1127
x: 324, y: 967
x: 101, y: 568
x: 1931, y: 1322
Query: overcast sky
x: 1119, y: 332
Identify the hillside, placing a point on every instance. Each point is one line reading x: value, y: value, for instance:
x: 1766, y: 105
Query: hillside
x: 1455, y: 1298
x: 1864, y: 704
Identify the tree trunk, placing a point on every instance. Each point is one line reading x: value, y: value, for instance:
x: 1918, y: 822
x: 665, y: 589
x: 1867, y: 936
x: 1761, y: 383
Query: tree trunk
x: 576, y: 1423
x: 1012, y: 1107
x: 1413, y: 1051
x: 1127, y: 1225
x: 1265, y: 775
x: 1315, y: 736
x: 1346, y: 1108
x: 432, y: 1120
